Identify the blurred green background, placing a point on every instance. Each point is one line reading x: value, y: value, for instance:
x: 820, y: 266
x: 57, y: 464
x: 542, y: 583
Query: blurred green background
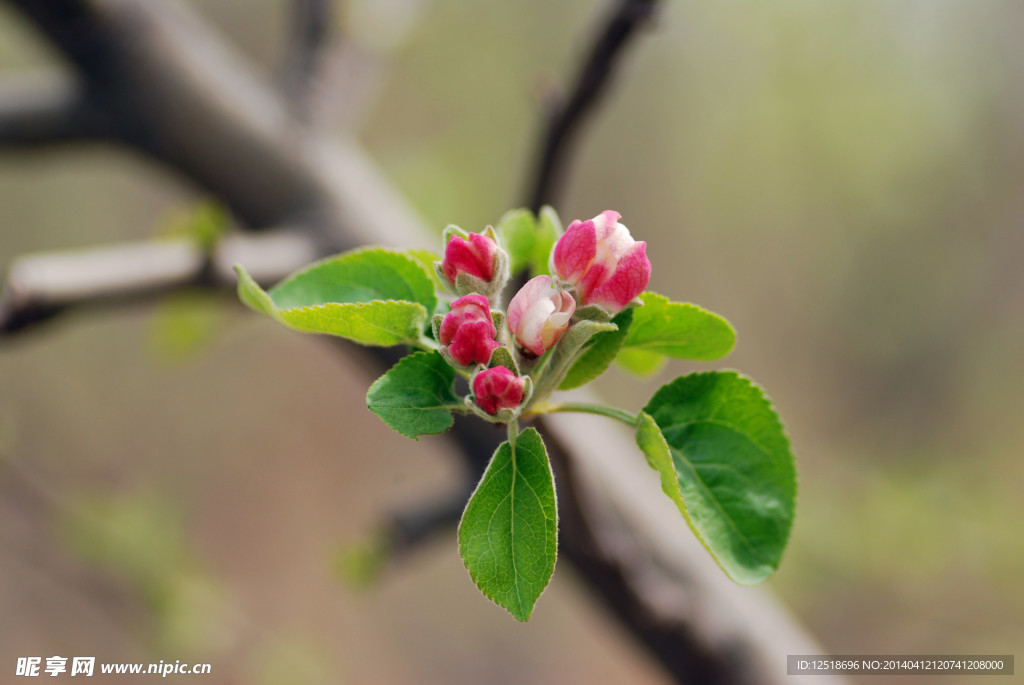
x: 842, y: 181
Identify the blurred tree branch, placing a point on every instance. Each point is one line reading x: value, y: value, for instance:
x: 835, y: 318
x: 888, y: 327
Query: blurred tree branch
x: 172, y: 90
x: 566, y: 118
x: 165, y: 86
x: 46, y: 109
x: 310, y: 33
x: 44, y: 285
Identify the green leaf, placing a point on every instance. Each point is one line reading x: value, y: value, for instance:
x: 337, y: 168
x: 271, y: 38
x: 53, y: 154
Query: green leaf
x: 517, y: 229
x: 367, y: 323
x: 426, y: 259
x: 508, y: 537
x: 252, y: 295
x: 527, y: 240
x: 725, y: 461
x: 599, y: 354
x: 371, y: 296
x: 205, y: 223
x: 184, y: 324
x: 564, y: 354
x: 549, y: 230
x: 640, y: 362
x: 678, y: 330
x: 549, y: 224
x: 383, y: 323
x: 138, y: 533
x: 415, y: 396
x: 210, y: 221
x: 659, y: 457
x: 360, y: 276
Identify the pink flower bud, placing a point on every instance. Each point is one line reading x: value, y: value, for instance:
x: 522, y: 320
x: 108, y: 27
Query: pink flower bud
x: 475, y: 257
x: 498, y: 388
x: 539, y: 314
x: 602, y: 260
x: 468, y: 332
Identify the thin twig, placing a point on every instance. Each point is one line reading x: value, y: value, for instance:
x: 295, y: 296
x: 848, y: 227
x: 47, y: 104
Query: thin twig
x: 310, y: 31
x: 592, y: 82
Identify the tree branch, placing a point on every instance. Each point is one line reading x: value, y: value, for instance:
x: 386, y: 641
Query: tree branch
x: 172, y: 90
x: 40, y: 286
x: 565, y: 121
x: 631, y: 546
x: 46, y: 109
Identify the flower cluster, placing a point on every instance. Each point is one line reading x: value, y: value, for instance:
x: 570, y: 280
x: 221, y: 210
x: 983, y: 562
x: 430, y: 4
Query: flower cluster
x: 498, y: 349
x: 597, y: 271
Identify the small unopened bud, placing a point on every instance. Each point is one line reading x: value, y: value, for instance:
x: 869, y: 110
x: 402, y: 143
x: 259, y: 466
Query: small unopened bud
x: 467, y: 332
x: 473, y: 262
x: 497, y: 389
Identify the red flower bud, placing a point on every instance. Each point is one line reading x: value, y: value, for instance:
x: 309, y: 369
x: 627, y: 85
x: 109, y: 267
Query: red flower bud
x: 475, y: 257
x: 498, y: 388
x: 601, y: 259
x: 538, y: 314
x: 468, y: 332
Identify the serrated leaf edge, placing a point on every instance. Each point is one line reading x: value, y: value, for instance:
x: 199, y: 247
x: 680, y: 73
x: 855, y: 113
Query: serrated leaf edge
x: 415, y: 357
x: 688, y: 305
x: 775, y: 420
x: 554, y: 491
x: 351, y: 253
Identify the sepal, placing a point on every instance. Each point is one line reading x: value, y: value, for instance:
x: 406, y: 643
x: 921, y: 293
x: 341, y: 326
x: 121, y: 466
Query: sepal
x: 595, y: 312
x: 468, y: 284
x: 435, y: 326
x: 498, y: 318
x: 592, y: 312
x: 451, y: 231
x: 442, y: 277
x: 504, y: 357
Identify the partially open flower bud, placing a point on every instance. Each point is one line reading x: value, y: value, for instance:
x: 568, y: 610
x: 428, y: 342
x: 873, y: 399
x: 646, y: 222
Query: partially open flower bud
x: 498, y: 388
x: 467, y: 332
x: 600, y: 258
x: 539, y: 313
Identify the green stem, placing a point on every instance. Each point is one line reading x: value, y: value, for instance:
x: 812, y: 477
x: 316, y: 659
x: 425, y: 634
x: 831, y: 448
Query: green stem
x: 541, y: 367
x: 424, y: 343
x: 585, y: 408
x: 545, y: 376
x: 513, y: 433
